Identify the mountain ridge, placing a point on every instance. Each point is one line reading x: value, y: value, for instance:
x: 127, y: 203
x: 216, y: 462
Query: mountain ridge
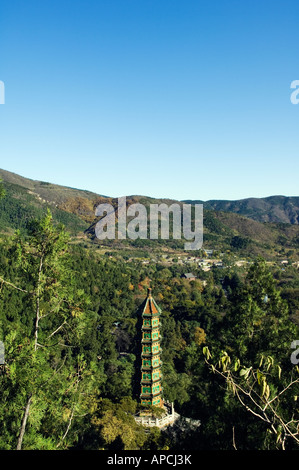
x: 276, y: 208
x: 272, y: 209
x: 223, y: 230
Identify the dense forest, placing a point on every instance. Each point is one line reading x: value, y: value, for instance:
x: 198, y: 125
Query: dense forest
x: 68, y: 322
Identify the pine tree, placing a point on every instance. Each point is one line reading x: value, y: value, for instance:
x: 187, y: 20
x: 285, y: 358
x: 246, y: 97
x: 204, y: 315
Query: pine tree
x: 44, y: 370
x: 259, y: 406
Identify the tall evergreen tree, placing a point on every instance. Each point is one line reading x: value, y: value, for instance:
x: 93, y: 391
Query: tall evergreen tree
x: 253, y: 357
x: 259, y: 322
x: 44, y: 371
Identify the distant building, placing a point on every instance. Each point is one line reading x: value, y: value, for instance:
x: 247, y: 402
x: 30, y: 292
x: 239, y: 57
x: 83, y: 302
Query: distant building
x: 219, y: 264
x: 189, y: 276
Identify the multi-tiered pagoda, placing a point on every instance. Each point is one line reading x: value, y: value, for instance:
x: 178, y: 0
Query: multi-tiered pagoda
x: 151, y: 364
x: 151, y: 393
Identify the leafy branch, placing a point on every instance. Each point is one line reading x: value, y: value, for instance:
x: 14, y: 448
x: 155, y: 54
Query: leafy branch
x: 256, y: 391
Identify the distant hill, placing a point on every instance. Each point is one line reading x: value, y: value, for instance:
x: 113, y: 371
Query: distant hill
x: 251, y: 226
x: 275, y: 209
x: 52, y: 193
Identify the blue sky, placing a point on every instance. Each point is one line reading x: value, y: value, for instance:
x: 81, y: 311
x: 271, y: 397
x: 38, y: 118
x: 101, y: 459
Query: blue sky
x: 185, y: 99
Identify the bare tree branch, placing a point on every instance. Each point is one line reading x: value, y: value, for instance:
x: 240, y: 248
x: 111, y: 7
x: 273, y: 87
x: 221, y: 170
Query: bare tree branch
x: 14, y: 286
x: 261, y: 406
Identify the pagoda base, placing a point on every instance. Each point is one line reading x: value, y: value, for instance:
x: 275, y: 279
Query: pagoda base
x: 168, y: 418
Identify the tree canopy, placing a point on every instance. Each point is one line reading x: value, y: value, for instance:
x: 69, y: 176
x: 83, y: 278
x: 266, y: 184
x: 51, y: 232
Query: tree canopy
x: 69, y: 323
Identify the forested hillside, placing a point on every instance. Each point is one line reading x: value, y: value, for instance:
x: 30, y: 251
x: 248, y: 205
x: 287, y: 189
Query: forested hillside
x: 274, y: 209
x: 68, y: 322
x: 271, y: 209
x: 223, y: 230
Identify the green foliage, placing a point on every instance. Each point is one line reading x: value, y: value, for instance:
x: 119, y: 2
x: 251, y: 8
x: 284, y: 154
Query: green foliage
x: 239, y: 242
x: 42, y: 373
x: 267, y: 393
x: 2, y: 190
x: 256, y: 362
x: 114, y: 427
x: 79, y: 362
x: 19, y: 207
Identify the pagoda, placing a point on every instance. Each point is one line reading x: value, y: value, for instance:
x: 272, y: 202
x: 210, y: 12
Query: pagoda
x: 151, y: 391
x: 151, y: 364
